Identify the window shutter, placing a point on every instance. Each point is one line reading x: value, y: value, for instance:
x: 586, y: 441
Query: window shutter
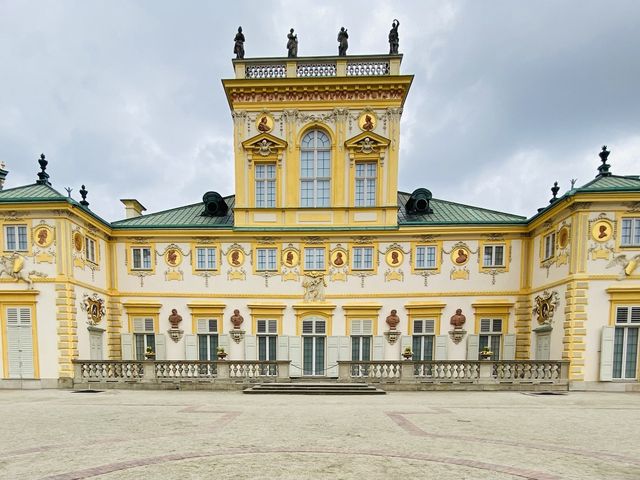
x: 148, y: 325
x: 161, y: 346
x: 367, y: 327
x: 378, y: 347
x: 430, y: 326
x: 356, y: 327
x: 295, y: 355
x: 213, y: 326
x: 321, y: 326
x: 485, y: 325
x: 473, y: 347
x: 497, y: 325
x: 635, y: 314
x: 126, y: 344
x: 606, y: 354
x: 307, y: 326
x: 273, y: 326
x: 333, y: 351
x: 190, y: 347
x: 138, y: 325
x: 283, y: 347
x: 441, y: 347
x: 345, y: 348
x: 509, y: 347
x: 250, y: 348
x: 223, y: 341
x: 417, y: 326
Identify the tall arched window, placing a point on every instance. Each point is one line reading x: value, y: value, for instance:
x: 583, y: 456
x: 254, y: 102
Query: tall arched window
x: 315, y: 169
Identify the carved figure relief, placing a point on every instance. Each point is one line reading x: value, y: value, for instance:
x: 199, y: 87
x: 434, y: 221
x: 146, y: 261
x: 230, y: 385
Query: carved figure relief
x: 603, y: 231
x: 367, y: 121
x: 43, y: 238
x: 627, y: 265
x: 562, y: 257
x: 394, y: 257
x: 393, y: 319
x: 545, y: 307
x: 235, y: 257
x: 290, y: 264
x: 339, y: 261
x: 264, y: 123
x: 173, y: 257
x: 13, y: 266
x: 314, y: 286
x: 460, y: 256
x: 43, y: 235
x: 94, y: 307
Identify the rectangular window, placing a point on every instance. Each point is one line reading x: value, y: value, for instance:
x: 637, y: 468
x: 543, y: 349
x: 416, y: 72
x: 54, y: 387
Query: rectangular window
x: 314, y: 258
x: 315, y: 176
x: 16, y: 238
x: 207, y: 339
x: 363, y: 258
x: 141, y: 258
x: 425, y: 257
x: 493, y: 256
x: 267, y: 331
x: 625, y: 345
x: 206, y: 258
x: 491, y: 336
x: 365, y: 191
x: 266, y: 185
x: 266, y: 259
x: 90, y: 249
x: 423, y: 341
x: 630, y: 232
x: 549, y: 246
x: 144, y: 337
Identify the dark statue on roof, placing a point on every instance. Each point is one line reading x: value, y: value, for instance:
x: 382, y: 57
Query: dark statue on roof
x: 343, y: 42
x: 292, y: 44
x: 238, y: 47
x: 394, y: 39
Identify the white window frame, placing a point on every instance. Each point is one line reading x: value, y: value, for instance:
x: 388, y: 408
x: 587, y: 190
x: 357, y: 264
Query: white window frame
x: 549, y: 246
x: 425, y: 330
x: 266, y: 259
x: 267, y: 329
x: 315, y: 179
x: 366, y: 182
x: 423, y: 256
x: 18, y: 234
x: 630, y: 234
x: 490, y: 328
x: 147, y: 332
x: 624, y: 323
x: 141, y: 265
x: 207, y: 328
x: 265, y: 185
x: 362, y: 258
x: 314, y: 260
x: 491, y: 263
x: 90, y: 249
x: 209, y: 258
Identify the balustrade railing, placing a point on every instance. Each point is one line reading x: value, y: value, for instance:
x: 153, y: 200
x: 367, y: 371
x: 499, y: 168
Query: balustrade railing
x: 109, y: 370
x: 266, y: 70
x: 252, y: 369
x: 447, y: 370
x: 376, y: 370
x: 316, y: 69
x: 368, y: 68
x: 185, y: 369
x: 527, y: 371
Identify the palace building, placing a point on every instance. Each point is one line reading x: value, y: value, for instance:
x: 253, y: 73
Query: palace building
x: 319, y: 258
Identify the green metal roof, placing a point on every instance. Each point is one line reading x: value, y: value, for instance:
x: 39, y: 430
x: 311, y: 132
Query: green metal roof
x: 181, y: 217
x: 450, y: 213
x: 612, y: 183
x: 31, y: 193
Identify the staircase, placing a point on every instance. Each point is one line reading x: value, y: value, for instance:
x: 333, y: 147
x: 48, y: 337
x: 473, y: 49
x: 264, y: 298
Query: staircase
x: 307, y: 388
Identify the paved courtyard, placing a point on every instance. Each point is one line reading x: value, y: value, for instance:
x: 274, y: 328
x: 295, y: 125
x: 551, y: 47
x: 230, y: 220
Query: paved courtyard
x: 120, y: 434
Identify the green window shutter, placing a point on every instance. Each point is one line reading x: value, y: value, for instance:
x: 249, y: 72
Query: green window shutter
x: 250, y: 348
x: 161, y: 346
x: 295, y: 355
x: 344, y: 349
x: 126, y: 344
x: 333, y: 351
x: 473, y: 347
x: 441, y: 347
x: 283, y: 347
x: 509, y: 347
x: 606, y: 354
x: 190, y: 347
x: 378, y: 348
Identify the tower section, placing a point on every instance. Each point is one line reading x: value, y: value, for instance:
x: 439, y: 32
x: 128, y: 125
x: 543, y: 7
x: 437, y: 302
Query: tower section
x: 316, y: 141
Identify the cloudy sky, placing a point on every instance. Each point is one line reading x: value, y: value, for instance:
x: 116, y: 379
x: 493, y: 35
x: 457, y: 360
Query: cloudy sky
x: 126, y: 98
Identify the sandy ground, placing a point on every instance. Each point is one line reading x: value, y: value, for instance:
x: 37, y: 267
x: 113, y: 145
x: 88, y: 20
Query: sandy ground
x: 120, y: 434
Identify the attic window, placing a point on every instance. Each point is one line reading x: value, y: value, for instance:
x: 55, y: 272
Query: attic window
x: 214, y: 205
x: 419, y: 202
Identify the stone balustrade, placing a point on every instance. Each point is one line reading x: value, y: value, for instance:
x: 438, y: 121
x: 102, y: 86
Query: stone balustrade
x: 315, y: 67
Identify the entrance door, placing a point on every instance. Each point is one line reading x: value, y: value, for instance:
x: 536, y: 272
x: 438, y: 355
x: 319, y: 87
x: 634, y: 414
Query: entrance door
x: 20, y: 342
x: 95, y: 345
x: 313, y: 346
x: 543, y: 346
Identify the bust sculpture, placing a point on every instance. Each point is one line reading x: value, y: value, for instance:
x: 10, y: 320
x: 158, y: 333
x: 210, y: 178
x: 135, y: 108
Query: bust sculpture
x: 393, y: 320
x: 458, y: 320
x: 236, y: 319
x: 175, y: 319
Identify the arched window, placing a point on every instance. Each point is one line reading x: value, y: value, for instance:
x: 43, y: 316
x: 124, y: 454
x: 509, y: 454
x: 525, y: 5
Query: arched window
x: 315, y: 169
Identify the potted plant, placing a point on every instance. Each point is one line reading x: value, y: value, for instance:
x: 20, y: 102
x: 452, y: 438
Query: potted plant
x: 486, y: 353
x: 221, y: 353
x: 149, y: 354
x: 407, y: 353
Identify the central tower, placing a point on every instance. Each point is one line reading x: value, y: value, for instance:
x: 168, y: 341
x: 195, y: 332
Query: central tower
x: 316, y: 141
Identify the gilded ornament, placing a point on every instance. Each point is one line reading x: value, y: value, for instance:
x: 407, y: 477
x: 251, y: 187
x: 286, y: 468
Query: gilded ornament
x: 173, y: 257
x: 367, y: 121
x: 460, y: 256
x: 264, y: 123
x: 545, y: 307
x: 235, y: 257
x: 627, y: 265
x: 78, y: 241
x: 43, y: 235
x: 94, y: 307
x: 339, y: 258
x: 563, y: 237
x: 290, y: 257
x: 602, y: 231
x: 13, y: 266
x: 394, y: 257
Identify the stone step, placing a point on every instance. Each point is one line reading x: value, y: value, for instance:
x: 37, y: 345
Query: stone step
x: 314, y: 389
